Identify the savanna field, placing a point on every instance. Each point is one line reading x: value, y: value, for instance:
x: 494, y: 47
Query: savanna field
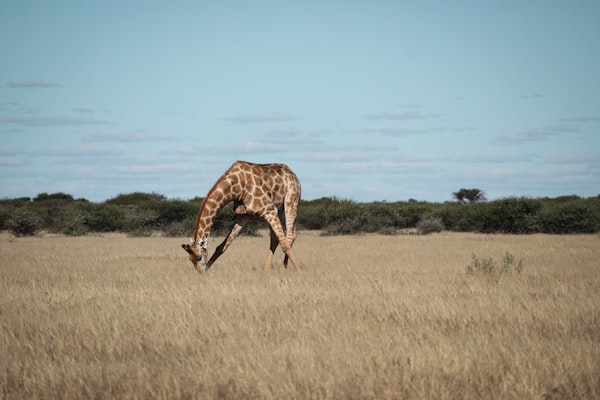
x: 368, y: 317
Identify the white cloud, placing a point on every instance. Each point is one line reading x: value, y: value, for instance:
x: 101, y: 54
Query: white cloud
x: 575, y: 168
x: 232, y: 150
x: 538, y: 134
x: 259, y: 118
x: 9, y: 158
x: 12, y: 161
x: 30, y: 83
x: 401, y: 116
x: 562, y: 175
x: 536, y: 95
x: 290, y: 136
x: 128, y: 137
x: 83, y: 150
x: 582, y: 118
x: 153, y: 168
x: 492, y: 159
x: 573, y: 159
x: 412, y: 105
x: 503, y: 172
x: 334, y: 156
x: 5, y: 151
x: 465, y: 129
x: 275, y: 141
x: 345, y: 153
x: 284, y: 133
x: 386, y: 167
x: 56, y: 120
x: 83, y: 110
x: 402, y: 131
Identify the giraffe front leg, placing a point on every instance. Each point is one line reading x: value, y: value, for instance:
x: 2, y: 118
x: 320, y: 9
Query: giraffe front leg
x: 268, y: 261
x: 290, y: 256
x: 235, y: 231
x: 286, y: 257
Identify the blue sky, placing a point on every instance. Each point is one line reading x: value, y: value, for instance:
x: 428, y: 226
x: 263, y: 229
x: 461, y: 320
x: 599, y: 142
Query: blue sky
x: 377, y: 100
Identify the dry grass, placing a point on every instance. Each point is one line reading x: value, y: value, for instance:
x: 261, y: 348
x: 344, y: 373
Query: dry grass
x: 368, y: 317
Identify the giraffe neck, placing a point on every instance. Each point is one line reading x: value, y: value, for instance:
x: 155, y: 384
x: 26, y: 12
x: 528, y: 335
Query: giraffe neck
x: 212, y: 204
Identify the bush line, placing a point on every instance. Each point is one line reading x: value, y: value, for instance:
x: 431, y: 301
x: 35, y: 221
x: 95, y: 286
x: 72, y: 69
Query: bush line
x: 140, y: 214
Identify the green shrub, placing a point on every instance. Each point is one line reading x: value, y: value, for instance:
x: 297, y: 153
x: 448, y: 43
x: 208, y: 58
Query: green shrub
x: 509, y: 215
x: 4, y: 217
x: 180, y: 228
x: 430, y: 224
x: 169, y: 211
x: 140, y: 222
x: 378, y: 217
x: 488, y: 266
x: 408, y: 215
x: 105, y: 218
x: 508, y: 263
x: 453, y: 216
x: 311, y: 219
x: 343, y: 217
x: 24, y: 222
x: 485, y: 265
x: 54, y: 198
x: 348, y: 217
x: 311, y: 214
x: 574, y: 215
x: 71, y: 221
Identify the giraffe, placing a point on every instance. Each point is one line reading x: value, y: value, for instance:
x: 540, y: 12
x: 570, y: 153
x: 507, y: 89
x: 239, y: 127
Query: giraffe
x: 267, y: 191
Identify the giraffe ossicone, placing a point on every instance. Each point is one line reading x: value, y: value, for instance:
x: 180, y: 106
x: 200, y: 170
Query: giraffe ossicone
x: 268, y: 191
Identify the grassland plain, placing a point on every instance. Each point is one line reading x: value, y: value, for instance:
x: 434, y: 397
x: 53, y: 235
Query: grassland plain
x: 381, y: 317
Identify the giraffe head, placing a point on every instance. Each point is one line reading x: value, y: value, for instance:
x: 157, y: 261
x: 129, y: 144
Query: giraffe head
x: 198, y: 254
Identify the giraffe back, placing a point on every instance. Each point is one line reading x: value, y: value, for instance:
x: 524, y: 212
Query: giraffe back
x: 258, y: 185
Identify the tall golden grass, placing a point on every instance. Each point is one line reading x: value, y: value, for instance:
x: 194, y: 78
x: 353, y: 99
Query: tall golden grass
x: 367, y: 317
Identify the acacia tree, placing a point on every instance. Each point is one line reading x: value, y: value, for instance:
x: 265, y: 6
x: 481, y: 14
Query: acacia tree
x: 469, y: 195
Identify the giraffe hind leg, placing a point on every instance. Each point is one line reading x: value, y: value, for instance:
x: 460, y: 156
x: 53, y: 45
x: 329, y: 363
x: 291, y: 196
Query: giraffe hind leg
x: 290, y: 215
x: 272, y: 247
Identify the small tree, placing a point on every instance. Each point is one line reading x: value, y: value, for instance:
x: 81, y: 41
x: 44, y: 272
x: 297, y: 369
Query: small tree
x: 471, y: 195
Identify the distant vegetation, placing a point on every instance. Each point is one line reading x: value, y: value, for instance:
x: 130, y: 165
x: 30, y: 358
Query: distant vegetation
x: 141, y: 214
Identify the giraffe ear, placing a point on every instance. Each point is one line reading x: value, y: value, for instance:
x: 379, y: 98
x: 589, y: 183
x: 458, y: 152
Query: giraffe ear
x: 187, y: 247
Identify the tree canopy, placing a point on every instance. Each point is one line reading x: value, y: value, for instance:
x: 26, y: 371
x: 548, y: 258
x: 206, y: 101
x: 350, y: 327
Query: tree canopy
x: 469, y: 195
